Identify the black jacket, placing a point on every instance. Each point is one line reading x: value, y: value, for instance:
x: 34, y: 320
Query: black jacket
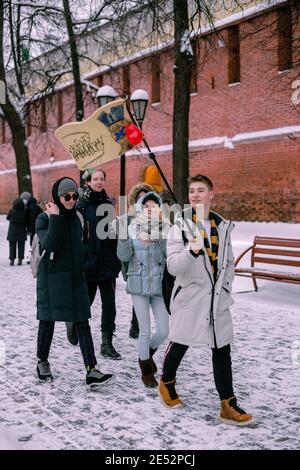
x: 17, y: 222
x: 103, y: 262
x: 62, y: 293
x: 33, y: 210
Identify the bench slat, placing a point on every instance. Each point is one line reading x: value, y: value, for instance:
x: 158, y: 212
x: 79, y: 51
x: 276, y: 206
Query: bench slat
x: 271, y: 251
x: 284, y: 262
x: 272, y: 278
x: 287, y: 242
x: 264, y: 272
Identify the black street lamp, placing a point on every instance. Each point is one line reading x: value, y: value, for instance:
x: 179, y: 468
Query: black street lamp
x: 139, y: 100
x: 105, y: 95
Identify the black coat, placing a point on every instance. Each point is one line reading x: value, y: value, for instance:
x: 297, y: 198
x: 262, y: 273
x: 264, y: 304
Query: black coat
x: 62, y: 293
x: 17, y: 222
x: 103, y: 262
x: 33, y: 210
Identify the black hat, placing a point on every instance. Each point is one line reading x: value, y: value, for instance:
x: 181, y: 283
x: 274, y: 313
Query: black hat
x: 151, y: 197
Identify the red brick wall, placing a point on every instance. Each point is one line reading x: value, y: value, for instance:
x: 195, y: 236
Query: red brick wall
x: 258, y: 181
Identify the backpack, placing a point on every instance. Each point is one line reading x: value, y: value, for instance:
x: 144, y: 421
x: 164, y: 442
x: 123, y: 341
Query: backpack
x: 36, y: 255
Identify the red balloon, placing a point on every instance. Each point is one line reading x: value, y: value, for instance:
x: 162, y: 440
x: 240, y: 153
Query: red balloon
x: 133, y: 134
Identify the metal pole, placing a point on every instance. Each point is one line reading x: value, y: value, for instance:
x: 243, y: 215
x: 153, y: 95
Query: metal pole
x: 122, y: 174
x: 153, y: 158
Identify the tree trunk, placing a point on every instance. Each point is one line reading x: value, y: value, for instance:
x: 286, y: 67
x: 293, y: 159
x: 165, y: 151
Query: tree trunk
x: 21, y: 149
x: 75, y: 68
x: 16, y: 125
x: 183, y: 73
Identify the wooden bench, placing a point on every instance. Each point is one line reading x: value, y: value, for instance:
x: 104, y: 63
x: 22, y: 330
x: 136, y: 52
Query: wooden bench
x: 275, y: 251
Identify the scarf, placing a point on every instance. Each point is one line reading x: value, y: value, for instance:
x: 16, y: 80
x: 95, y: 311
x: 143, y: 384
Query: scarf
x: 212, y: 250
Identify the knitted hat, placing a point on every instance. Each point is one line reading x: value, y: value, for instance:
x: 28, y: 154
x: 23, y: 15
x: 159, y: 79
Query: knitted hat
x: 66, y: 185
x: 25, y: 195
x: 152, y: 176
x: 150, y: 197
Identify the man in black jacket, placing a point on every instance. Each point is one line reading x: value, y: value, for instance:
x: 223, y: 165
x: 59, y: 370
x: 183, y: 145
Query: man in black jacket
x: 103, y: 265
x: 32, y: 211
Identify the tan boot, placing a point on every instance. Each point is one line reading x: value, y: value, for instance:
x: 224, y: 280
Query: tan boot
x: 231, y: 413
x: 147, y: 373
x: 168, y: 394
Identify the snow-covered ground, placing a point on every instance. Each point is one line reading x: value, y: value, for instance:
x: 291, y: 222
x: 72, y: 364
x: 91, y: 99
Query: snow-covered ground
x: 126, y: 415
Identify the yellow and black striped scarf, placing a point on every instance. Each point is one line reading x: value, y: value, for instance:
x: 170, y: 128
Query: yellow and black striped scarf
x: 212, y: 250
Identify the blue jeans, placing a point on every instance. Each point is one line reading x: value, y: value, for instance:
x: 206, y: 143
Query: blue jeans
x: 141, y: 305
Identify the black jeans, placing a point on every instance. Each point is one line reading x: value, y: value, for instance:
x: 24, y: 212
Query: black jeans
x: 107, y: 289
x: 45, y: 335
x: 31, y: 238
x: 13, y: 250
x: 221, y: 360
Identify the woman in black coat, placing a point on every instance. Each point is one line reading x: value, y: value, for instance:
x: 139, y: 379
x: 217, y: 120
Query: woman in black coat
x: 16, y: 234
x: 62, y: 293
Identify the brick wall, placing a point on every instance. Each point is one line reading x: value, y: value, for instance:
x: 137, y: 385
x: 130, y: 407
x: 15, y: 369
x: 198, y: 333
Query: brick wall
x: 257, y: 181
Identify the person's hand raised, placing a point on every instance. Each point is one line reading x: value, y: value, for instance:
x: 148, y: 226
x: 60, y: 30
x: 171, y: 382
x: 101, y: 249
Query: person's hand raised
x: 195, y: 245
x: 52, y: 208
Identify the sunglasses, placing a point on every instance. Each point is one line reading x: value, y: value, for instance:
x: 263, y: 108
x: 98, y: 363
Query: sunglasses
x: 67, y: 197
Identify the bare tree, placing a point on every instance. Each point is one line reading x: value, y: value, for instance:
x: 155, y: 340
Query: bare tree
x: 101, y: 31
x: 11, y: 114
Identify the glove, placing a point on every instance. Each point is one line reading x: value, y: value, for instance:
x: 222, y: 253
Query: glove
x: 87, y: 192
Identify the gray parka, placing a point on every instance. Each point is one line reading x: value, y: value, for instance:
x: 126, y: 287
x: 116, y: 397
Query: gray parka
x: 199, y: 308
x: 146, y: 261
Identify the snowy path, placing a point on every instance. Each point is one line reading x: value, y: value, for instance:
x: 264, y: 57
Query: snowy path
x: 125, y: 415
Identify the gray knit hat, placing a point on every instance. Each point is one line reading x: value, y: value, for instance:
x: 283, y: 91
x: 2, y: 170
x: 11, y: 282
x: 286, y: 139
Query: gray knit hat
x: 65, y: 186
x: 25, y: 195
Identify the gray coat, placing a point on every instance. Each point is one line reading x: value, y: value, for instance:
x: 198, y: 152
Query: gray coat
x: 199, y: 308
x: 146, y: 261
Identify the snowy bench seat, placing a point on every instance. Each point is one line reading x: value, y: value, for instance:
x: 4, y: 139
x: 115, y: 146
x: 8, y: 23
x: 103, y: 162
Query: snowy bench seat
x: 273, y: 251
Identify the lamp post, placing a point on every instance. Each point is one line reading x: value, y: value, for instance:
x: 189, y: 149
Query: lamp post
x: 139, y: 100
x: 105, y: 95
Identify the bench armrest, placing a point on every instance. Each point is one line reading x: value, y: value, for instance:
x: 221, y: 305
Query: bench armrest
x: 242, y: 254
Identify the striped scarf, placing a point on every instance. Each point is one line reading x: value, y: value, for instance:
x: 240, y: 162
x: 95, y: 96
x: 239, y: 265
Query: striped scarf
x: 212, y: 250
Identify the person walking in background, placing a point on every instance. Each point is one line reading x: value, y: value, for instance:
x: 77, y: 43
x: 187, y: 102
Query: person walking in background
x: 201, y: 297
x: 145, y: 253
x: 32, y: 211
x: 16, y: 234
x: 103, y: 265
x: 149, y: 174
x: 25, y: 196
x: 62, y: 293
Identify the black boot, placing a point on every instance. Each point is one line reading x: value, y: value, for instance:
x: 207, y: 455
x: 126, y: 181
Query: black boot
x: 153, y: 351
x: 12, y: 262
x: 134, y: 327
x: 107, y: 349
x: 72, y: 333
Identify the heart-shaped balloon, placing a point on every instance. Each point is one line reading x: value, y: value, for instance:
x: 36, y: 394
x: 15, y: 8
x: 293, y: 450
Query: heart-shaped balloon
x: 133, y: 134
